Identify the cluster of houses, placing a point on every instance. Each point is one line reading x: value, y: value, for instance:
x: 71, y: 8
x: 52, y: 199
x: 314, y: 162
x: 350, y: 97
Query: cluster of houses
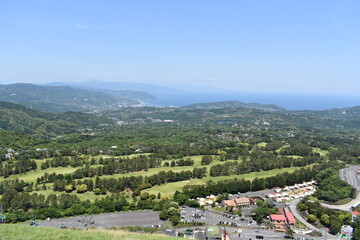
x: 208, y: 201
x: 293, y: 192
x: 10, y: 153
x: 283, y: 220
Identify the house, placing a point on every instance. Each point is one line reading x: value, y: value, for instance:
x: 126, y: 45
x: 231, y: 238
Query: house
x: 10, y: 150
x: 277, y: 189
x: 286, y: 188
x: 346, y: 232
x: 354, y: 215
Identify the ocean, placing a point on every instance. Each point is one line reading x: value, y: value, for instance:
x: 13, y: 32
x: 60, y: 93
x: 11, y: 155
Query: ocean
x: 288, y: 101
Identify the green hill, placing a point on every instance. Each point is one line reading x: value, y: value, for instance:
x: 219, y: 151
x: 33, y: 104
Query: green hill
x: 235, y: 104
x: 18, y: 118
x: 61, y: 98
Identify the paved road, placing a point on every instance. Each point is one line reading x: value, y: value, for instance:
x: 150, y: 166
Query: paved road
x: 297, y: 215
x: 350, y: 176
x: 344, y: 207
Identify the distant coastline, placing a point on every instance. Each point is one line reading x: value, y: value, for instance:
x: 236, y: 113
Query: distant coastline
x: 288, y: 101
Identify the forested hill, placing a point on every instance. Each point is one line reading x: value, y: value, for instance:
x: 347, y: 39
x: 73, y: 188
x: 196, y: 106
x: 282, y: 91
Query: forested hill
x: 61, y: 98
x: 350, y: 113
x: 18, y: 118
x: 235, y: 104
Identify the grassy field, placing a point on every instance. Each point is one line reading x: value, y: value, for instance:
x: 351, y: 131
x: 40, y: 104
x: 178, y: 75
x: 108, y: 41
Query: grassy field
x: 21, y: 232
x: 322, y: 152
x: 165, y: 189
x: 171, y: 188
x: 82, y: 196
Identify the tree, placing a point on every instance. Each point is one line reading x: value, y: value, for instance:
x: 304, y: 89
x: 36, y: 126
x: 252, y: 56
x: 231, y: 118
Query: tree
x: 289, y: 232
x: 69, y: 188
x: 81, y: 188
x: 335, y: 227
x: 312, y: 218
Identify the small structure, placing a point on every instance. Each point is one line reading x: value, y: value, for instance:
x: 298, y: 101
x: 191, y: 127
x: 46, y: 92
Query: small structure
x: 171, y: 232
x: 355, y: 215
x: 346, y: 232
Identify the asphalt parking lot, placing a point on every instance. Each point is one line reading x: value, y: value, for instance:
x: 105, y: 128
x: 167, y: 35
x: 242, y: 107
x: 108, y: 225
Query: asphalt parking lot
x: 350, y: 176
x: 189, y: 215
x: 140, y: 218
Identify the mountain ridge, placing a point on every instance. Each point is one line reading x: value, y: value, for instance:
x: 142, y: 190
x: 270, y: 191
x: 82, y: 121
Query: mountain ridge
x: 61, y: 98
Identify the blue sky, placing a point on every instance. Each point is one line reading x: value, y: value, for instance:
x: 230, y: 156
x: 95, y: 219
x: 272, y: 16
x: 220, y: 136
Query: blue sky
x: 273, y: 46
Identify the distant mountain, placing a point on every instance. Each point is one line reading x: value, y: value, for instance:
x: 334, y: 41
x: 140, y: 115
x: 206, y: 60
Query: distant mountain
x: 153, y: 89
x: 18, y: 118
x: 104, y: 87
x: 235, y: 104
x: 61, y: 98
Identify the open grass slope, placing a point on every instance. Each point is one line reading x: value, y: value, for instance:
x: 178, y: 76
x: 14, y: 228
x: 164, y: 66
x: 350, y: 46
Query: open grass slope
x: 21, y: 232
x: 171, y: 188
x: 167, y: 189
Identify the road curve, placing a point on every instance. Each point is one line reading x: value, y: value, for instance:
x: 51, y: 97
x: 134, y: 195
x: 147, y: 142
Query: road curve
x: 297, y: 215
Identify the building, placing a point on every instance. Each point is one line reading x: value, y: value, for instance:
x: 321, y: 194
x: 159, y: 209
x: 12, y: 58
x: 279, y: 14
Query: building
x: 279, y: 221
x: 237, y: 202
x: 279, y: 218
x: 290, y: 218
x: 354, y: 215
x: 346, y: 232
x: 229, y: 203
x: 243, y: 201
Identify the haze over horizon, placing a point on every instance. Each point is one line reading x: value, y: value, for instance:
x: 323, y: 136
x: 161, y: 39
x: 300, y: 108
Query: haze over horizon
x: 257, y: 46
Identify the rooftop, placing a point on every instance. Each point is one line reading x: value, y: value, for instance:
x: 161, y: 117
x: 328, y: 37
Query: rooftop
x: 277, y: 217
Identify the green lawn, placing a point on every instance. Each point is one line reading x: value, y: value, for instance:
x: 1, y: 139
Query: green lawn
x: 32, y: 176
x: 170, y: 188
x: 165, y: 189
x: 82, y: 196
x: 22, y: 232
x: 322, y: 152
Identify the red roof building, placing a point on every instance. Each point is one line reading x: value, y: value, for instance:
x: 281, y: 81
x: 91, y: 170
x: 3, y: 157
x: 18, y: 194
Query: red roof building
x: 290, y: 218
x: 277, y: 218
